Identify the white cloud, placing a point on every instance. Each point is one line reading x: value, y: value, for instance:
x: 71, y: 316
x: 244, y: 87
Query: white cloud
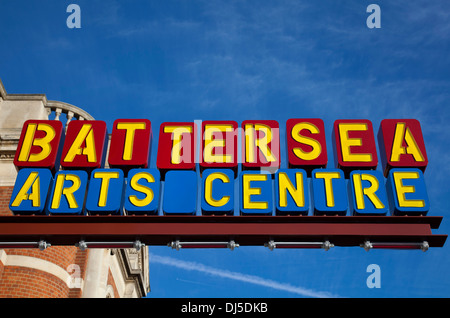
x: 251, y: 279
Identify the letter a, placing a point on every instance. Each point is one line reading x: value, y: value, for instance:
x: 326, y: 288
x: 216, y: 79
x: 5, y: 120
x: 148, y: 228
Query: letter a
x: 404, y: 133
x: 374, y: 20
x: 33, y: 183
x: 374, y: 279
x: 74, y: 20
x: 86, y: 136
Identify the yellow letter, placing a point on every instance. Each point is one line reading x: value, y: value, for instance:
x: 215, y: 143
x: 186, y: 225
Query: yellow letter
x: 402, y: 190
x: 284, y: 185
x: 317, y: 148
x: 129, y: 137
x: 261, y: 143
x: 369, y: 192
x: 68, y: 192
x: 249, y: 191
x: 211, y: 143
x: 347, y: 142
x: 411, y: 144
x: 177, y: 132
x: 86, y: 134
x: 143, y: 189
x: 208, y: 189
x: 327, y: 178
x: 105, y: 176
x: 43, y: 142
x: 32, y: 182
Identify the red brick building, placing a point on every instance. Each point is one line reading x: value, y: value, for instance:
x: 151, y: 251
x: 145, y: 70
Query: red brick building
x: 58, y: 271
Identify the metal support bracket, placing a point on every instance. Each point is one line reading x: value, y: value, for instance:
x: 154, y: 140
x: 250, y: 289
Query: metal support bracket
x: 326, y: 245
x: 177, y: 245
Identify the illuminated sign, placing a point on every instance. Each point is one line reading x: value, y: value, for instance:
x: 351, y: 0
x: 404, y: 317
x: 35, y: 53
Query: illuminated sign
x: 237, y: 166
x: 402, y: 144
x: 306, y: 145
x: 85, y: 145
x: 131, y: 141
x: 40, y: 145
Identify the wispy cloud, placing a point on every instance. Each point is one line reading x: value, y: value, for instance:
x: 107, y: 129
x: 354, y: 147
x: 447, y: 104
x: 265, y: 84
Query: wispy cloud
x: 251, y: 279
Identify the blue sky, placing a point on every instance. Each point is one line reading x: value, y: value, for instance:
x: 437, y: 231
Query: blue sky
x: 238, y: 60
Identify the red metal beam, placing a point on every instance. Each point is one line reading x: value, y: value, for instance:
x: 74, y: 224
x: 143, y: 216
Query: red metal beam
x: 244, y: 230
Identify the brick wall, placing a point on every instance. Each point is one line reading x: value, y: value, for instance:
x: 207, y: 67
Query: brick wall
x: 26, y: 282
x: 81, y: 258
x: 5, y: 196
x: 1, y: 268
x: 113, y: 284
x: 23, y: 282
x: 62, y: 256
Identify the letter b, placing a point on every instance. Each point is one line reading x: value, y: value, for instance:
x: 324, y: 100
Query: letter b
x: 39, y: 145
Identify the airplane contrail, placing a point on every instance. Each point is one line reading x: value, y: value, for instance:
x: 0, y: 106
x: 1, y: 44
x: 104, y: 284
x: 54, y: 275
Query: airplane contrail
x: 252, y: 279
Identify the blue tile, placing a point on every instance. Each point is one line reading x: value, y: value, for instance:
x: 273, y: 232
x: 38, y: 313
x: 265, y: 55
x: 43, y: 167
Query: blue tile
x: 105, y: 192
x: 30, y: 191
x: 407, y: 192
x: 180, y: 192
x: 142, y: 191
x: 334, y: 200
x: 218, y: 191
x: 291, y: 192
x: 68, y: 192
x: 255, y: 192
x: 368, y: 193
